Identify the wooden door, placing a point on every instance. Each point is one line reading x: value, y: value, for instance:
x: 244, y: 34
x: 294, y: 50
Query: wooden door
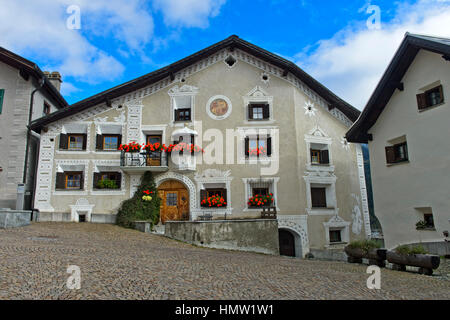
x: 154, y: 158
x: 287, y: 243
x: 175, y: 201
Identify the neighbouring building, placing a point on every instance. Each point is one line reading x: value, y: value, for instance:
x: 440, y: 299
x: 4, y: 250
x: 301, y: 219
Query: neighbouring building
x: 23, y: 87
x: 406, y: 124
x: 267, y: 128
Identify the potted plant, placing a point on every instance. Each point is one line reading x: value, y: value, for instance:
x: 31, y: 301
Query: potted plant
x: 421, y: 225
x: 415, y: 256
x: 368, y: 249
x: 107, y: 184
x: 259, y: 201
x: 215, y: 201
x: 130, y: 147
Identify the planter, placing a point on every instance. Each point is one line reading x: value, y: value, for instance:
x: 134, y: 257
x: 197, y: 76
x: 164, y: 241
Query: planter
x: 375, y: 256
x: 426, y: 262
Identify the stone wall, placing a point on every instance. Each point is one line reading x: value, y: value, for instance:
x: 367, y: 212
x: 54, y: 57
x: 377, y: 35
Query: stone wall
x: 14, y: 218
x: 243, y: 235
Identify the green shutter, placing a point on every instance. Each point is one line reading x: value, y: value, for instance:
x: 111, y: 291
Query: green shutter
x: 2, y: 94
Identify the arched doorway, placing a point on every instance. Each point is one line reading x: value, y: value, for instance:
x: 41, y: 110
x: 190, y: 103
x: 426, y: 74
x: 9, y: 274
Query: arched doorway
x: 287, y: 243
x: 174, y: 201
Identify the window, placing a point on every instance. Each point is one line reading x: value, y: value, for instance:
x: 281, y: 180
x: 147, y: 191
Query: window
x: 110, y: 142
x: 213, y: 192
x: 260, y: 191
x: 69, y: 180
x: 46, y: 110
x: 183, y: 115
x: 318, y: 197
x: 171, y: 199
x: 2, y: 96
x: 258, y: 146
x: 72, y: 142
x: 76, y: 142
x: 428, y: 219
x: 320, y: 156
x: 430, y: 98
x: 335, y: 236
x: 107, y: 180
x: 258, y: 112
x: 397, y: 153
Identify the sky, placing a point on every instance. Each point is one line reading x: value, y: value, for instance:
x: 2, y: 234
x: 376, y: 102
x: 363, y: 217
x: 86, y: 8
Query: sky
x: 96, y: 45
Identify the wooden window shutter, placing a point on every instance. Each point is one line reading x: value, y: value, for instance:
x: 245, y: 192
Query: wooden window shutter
x: 99, y: 142
x: 441, y: 93
x: 247, y: 146
x: 269, y: 146
x: 119, y: 180
x: 177, y: 115
x: 97, y: 176
x: 250, y: 112
x: 318, y: 198
x: 324, y: 157
x: 422, y: 101
x: 81, y: 180
x: 2, y: 96
x: 266, y: 111
x: 390, y: 154
x: 60, y: 180
x: 203, y: 195
x: 119, y: 140
x: 224, y: 195
x: 63, y: 141
x: 84, y: 141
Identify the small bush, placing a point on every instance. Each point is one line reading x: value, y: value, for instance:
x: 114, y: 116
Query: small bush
x: 365, y: 245
x: 136, y: 208
x: 407, y: 250
x: 421, y: 225
x: 107, y: 184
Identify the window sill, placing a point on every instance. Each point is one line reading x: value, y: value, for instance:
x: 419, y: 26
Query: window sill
x: 321, y: 211
x: 427, y: 229
x: 397, y: 163
x: 431, y: 107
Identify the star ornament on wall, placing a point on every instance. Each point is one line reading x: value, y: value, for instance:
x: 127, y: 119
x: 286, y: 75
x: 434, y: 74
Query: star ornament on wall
x: 310, y: 109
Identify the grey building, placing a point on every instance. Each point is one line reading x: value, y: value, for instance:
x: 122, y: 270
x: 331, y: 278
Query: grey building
x: 26, y: 94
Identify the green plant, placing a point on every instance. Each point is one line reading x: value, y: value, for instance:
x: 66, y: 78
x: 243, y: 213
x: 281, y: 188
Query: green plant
x: 421, y: 225
x: 365, y: 245
x: 107, y: 184
x: 138, y: 209
x: 407, y: 250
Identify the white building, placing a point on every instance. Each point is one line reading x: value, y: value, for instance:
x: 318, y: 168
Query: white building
x: 406, y: 124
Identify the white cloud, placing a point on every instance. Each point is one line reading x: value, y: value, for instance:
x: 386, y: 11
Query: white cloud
x: 38, y: 29
x: 188, y: 13
x: 353, y: 61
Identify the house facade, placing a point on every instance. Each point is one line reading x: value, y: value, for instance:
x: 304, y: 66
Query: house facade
x: 24, y: 89
x: 267, y: 130
x: 406, y: 126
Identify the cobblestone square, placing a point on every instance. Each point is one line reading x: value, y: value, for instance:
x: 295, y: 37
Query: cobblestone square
x: 118, y: 263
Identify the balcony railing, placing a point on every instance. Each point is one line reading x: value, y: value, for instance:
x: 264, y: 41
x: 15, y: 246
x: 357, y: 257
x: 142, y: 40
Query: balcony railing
x: 144, y: 161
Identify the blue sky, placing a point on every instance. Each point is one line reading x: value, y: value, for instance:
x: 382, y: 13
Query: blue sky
x: 122, y: 40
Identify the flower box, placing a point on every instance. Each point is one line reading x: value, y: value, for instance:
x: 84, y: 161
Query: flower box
x: 214, y: 202
x: 375, y: 256
x: 260, y: 201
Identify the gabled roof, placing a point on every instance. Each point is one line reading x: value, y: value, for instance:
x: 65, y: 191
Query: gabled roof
x: 231, y: 42
x: 28, y: 68
x: 391, y: 80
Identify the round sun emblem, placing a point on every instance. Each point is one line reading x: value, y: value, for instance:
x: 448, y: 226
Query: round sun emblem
x: 219, y: 107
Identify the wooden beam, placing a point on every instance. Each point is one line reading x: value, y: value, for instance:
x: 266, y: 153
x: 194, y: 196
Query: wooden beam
x: 231, y: 48
x: 285, y: 73
x: 24, y: 74
x: 398, y: 85
x: 331, y: 107
x: 108, y: 102
x: 172, y: 76
x: 446, y: 57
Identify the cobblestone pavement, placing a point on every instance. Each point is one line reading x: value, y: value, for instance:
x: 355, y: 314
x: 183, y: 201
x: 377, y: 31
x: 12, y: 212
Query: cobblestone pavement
x: 125, y: 264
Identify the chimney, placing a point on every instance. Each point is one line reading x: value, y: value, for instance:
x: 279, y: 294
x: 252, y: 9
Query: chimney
x: 55, y: 79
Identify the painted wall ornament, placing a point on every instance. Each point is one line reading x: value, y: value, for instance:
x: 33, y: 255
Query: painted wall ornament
x: 310, y: 109
x: 356, y: 216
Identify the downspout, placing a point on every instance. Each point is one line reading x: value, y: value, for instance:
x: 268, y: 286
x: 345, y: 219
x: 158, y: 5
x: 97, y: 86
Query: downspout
x: 30, y: 117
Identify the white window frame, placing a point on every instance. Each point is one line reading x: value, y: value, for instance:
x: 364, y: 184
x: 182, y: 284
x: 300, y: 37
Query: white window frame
x: 269, y: 131
x: 184, y: 91
x: 107, y: 166
x: 272, y: 189
x: 256, y: 96
x: 330, y: 184
x: 337, y: 223
x: 75, y: 128
x: 317, y: 136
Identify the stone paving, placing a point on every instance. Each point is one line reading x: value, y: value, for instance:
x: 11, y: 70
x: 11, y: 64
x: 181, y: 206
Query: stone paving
x: 118, y: 263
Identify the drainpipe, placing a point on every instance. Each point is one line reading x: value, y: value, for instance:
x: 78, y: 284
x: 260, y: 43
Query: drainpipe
x: 30, y: 117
